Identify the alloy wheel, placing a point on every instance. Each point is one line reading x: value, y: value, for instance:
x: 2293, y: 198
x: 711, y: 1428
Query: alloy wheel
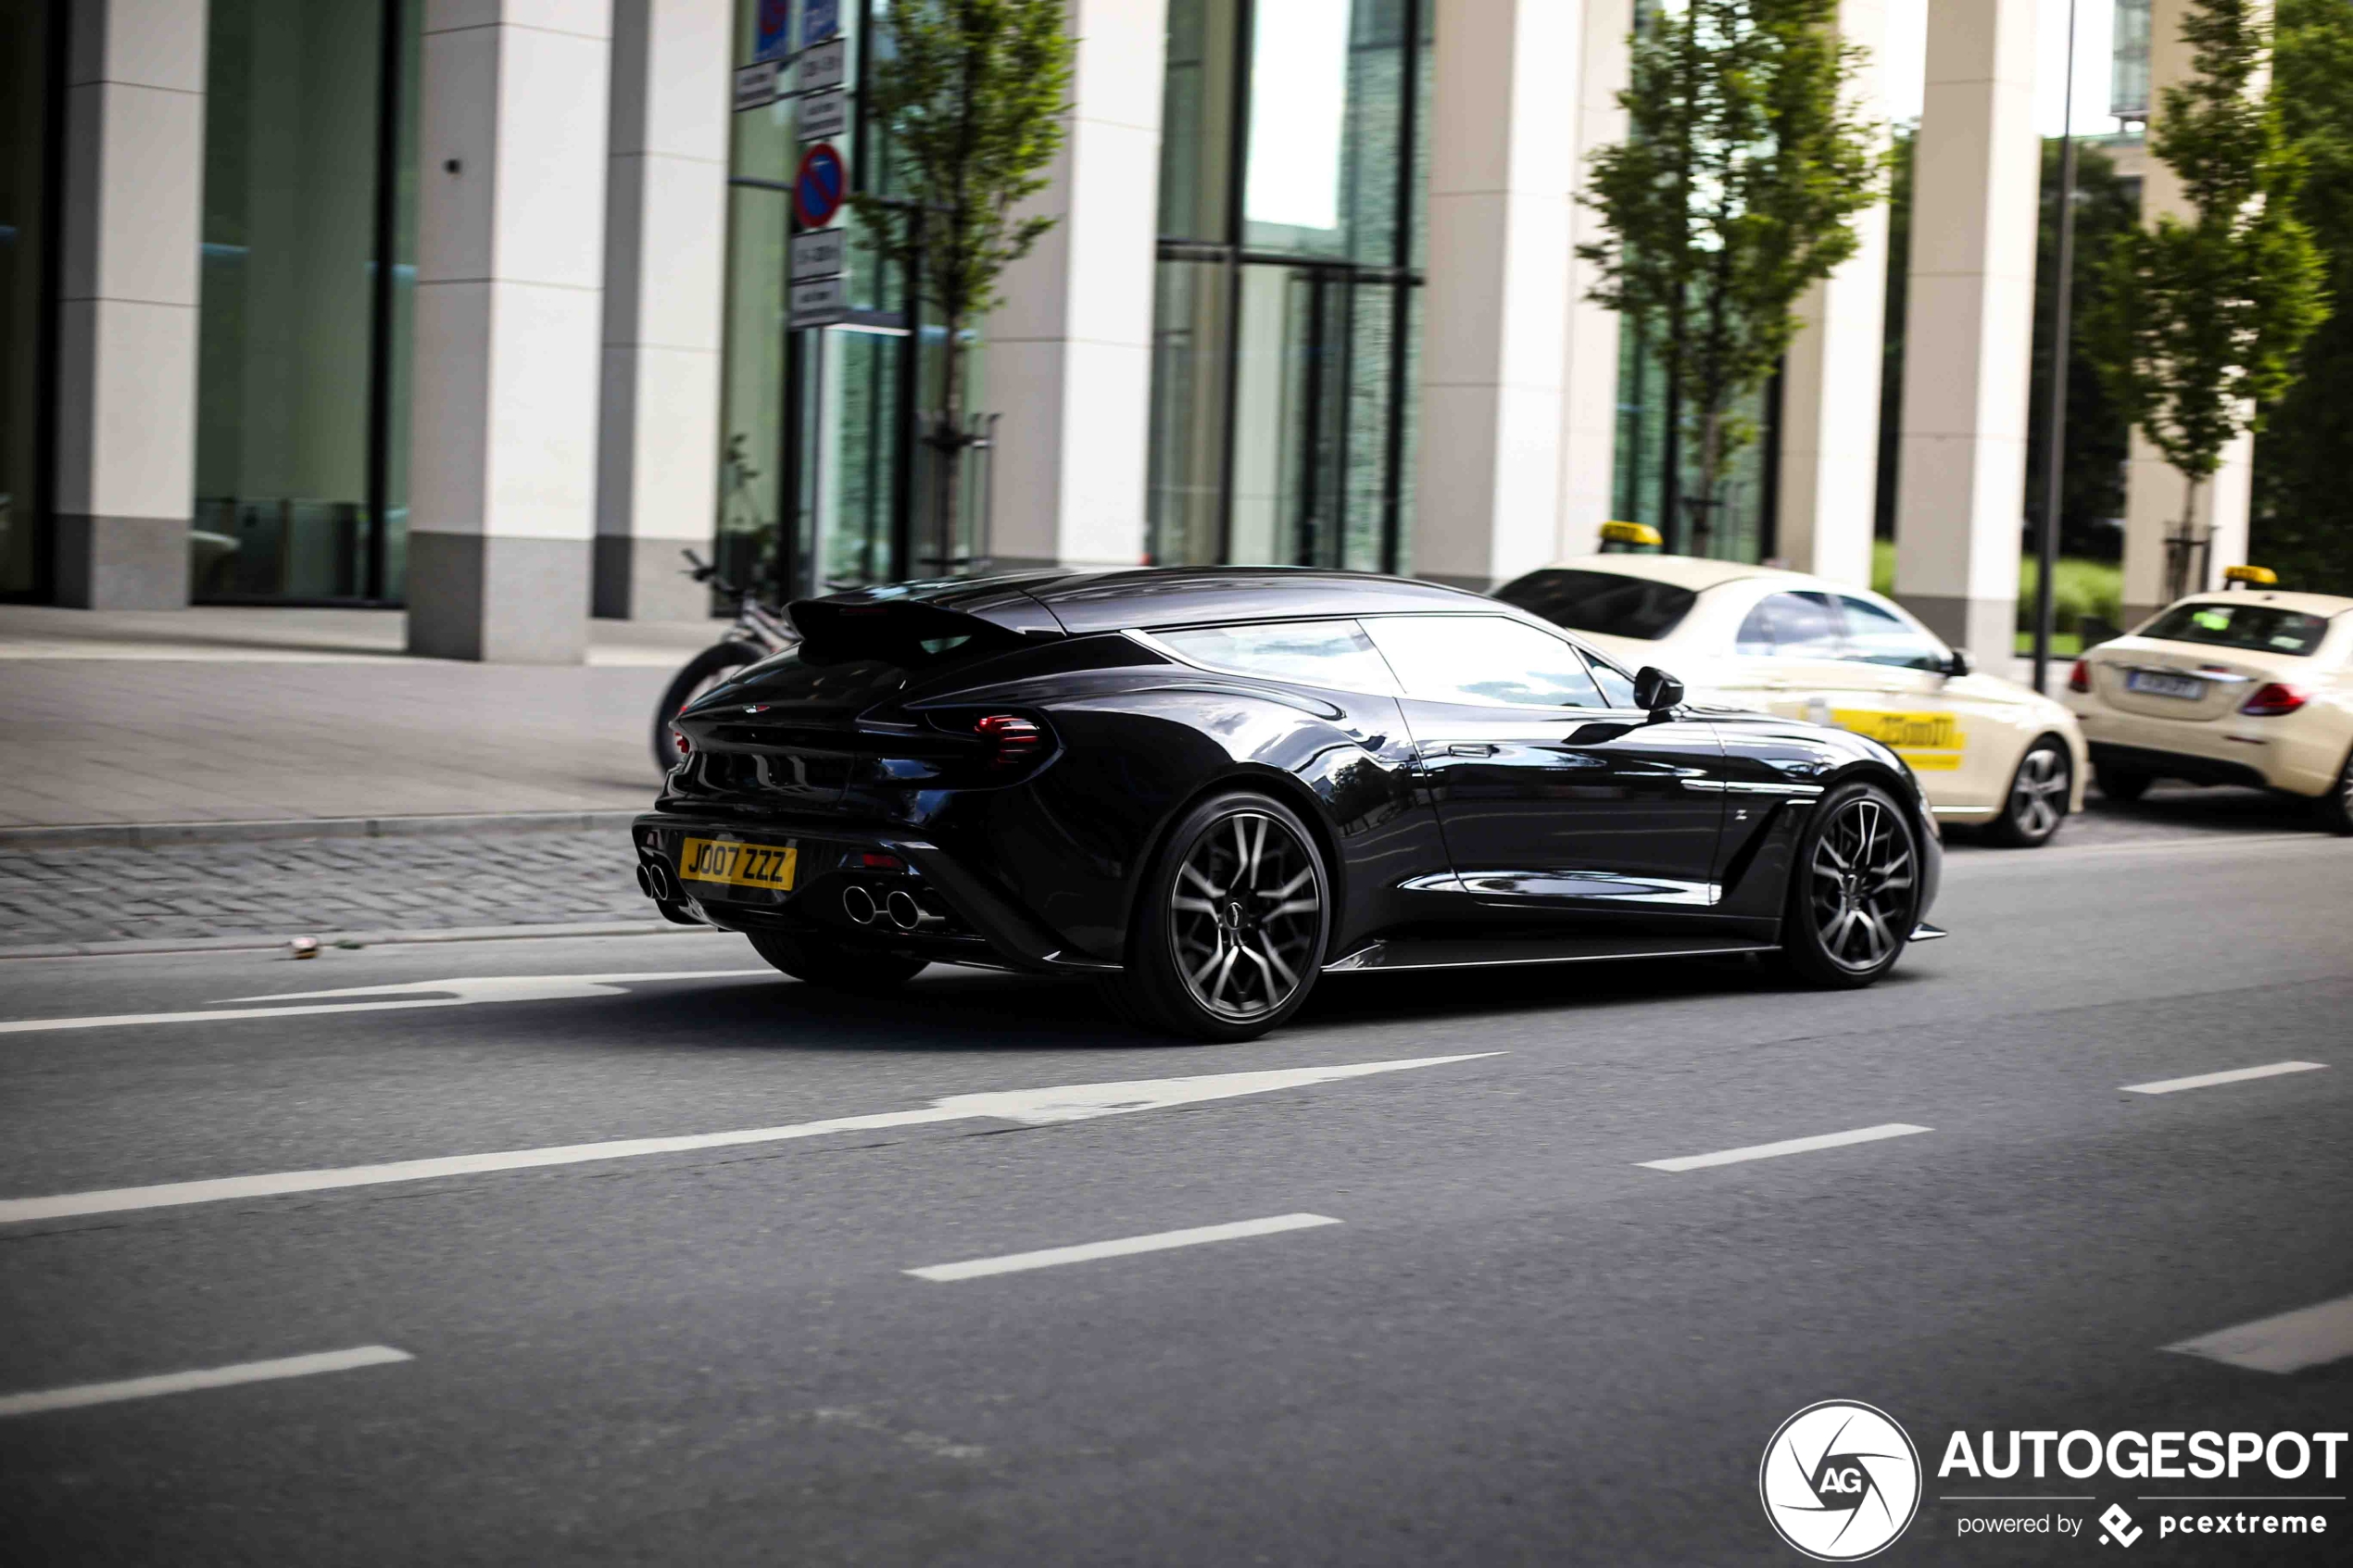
x: 1863, y: 874
x: 2038, y: 796
x: 1245, y: 915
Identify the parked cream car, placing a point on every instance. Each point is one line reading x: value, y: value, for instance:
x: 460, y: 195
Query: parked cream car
x: 2248, y: 687
x: 1986, y: 750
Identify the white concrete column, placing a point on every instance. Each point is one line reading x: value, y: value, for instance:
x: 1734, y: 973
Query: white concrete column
x: 2154, y: 491
x: 510, y: 270
x: 1970, y: 325
x: 1589, y: 401
x: 127, y: 297
x: 665, y: 272
x: 1831, y: 377
x: 1503, y: 161
x: 1070, y: 349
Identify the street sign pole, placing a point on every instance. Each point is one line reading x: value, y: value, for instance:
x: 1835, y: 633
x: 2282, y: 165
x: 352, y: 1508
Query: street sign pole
x: 2055, y: 446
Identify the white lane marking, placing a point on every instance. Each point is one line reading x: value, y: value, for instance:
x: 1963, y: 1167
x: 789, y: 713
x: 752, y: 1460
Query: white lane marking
x: 463, y: 991
x: 210, y: 1377
x: 2207, y: 1080
x: 1789, y: 1145
x: 1014, y: 1262
x: 1069, y: 1102
x: 2290, y: 1342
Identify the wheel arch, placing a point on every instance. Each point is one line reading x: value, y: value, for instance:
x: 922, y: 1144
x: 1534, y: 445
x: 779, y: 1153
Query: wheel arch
x: 1288, y: 789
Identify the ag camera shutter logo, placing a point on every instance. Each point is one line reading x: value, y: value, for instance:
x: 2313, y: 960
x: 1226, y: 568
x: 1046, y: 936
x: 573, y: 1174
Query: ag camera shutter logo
x: 1840, y: 1481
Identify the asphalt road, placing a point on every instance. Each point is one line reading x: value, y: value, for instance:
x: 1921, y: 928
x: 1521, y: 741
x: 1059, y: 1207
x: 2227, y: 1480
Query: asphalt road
x: 1520, y: 1343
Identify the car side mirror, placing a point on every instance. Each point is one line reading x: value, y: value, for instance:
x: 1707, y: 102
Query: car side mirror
x: 1957, y: 663
x: 1655, y: 691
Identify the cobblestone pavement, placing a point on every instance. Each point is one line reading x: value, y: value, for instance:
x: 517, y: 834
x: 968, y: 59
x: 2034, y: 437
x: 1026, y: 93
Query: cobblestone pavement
x: 316, y: 886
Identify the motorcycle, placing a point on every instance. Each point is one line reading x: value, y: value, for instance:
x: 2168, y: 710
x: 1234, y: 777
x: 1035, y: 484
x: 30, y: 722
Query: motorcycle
x: 760, y: 630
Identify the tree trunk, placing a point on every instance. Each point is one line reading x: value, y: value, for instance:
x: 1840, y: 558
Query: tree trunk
x: 1711, y: 460
x: 2177, y: 558
x: 947, y: 446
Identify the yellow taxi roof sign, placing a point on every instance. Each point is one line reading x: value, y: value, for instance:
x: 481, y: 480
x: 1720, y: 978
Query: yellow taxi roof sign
x: 2261, y: 576
x: 1631, y: 534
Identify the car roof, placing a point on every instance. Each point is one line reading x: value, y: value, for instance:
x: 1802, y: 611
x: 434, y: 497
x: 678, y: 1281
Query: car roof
x: 2323, y: 605
x: 1695, y: 572
x: 1145, y: 597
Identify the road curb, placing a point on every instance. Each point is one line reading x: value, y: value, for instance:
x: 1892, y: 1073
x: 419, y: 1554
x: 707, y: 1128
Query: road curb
x: 156, y: 836
x: 263, y: 943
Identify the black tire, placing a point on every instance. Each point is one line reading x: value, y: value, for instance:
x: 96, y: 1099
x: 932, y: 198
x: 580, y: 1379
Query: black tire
x: 2120, y: 784
x: 703, y: 672
x: 2333, y: 811
x: 835, y: 965
x: 1240, y: 879
x: 1854, y: 889
x: 2039, y: 794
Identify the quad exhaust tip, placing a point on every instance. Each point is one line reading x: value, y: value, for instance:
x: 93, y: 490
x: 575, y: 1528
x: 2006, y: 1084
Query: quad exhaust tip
x: 859, y: 905
x: 905, y: 913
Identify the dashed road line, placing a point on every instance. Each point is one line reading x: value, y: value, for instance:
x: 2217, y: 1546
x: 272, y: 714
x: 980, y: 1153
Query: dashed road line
x: 1124, y: 1247
x: 2210, y: 1080
x: 1788, y: 1145
x: 1069, y: 1102
x: 2290, y: 1342
x: 209, y: 1377
x: 463, y: 991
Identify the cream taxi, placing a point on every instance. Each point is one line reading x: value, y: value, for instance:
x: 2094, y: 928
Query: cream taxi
x: 2248, y: 685
x: 1986, y: 750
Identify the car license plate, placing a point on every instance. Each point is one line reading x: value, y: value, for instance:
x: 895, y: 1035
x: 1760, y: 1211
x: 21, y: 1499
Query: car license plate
x: 738, y: 865
x: 2156, y: 685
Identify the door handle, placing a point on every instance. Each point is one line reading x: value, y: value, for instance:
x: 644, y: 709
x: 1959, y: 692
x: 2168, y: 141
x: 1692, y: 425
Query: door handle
x: 1469, y: 748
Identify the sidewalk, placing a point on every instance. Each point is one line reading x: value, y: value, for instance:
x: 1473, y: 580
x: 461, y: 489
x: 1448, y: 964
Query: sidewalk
x: 221, y: 716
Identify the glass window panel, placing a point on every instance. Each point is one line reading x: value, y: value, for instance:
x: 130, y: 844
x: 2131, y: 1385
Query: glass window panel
x: 1880, y: 636
x: 2258, y: 628
x: 1606, y: 602
x: 285, y: 337
x: 24, y: 113
x: 1189, y: 412
x: 1313, y: 653
x: 1270, y: 395
x: 1197, y: 119
x: 1791, y: 625
x: 1483, y: 660
x: 751, y: 399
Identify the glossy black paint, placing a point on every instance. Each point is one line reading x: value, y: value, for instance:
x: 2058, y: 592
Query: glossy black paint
x: 1439, y: 821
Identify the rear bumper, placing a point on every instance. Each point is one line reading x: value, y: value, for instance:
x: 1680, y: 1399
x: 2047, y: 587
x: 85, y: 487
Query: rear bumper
x: 2185, y: 766
x: 947, y: 914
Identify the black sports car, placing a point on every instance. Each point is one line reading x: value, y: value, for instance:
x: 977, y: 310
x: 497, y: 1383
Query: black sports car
x: 1207, y: 787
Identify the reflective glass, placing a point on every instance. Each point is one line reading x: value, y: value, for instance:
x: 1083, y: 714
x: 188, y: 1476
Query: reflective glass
x: 1483, y: 660
x: 285, y: 410
x: 24, y: 112
x: 1187, y: 468
x: 1791, y: 625
x: 1312, y: 653
x: 1879, y: 636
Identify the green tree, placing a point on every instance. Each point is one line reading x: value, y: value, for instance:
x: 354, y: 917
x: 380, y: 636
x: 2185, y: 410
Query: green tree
x: 2303, y: 522
x: 972, y: 93
x: 2196, y: 325
x: 1744, y: 166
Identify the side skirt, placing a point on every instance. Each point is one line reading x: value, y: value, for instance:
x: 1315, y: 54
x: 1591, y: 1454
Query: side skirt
x: 1455, y: 952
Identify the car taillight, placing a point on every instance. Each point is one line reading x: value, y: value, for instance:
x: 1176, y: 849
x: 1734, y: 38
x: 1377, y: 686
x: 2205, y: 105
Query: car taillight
x: 679, y: 739
x: 1012, y: 737
x: 2273, y: 699
x: 2080, y: 678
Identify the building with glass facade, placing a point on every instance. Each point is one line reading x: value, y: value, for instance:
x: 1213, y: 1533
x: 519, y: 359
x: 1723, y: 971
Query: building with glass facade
x: 485, y: 307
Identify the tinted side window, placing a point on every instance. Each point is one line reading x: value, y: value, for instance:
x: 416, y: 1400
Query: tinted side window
x: 1601, y: 601
x: 1792, y: 625
x: 1308, y: 653
x: 1876, y: 637
x: 1483, y: 660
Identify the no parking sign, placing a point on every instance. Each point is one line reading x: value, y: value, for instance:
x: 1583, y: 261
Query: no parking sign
x: 818, y: 188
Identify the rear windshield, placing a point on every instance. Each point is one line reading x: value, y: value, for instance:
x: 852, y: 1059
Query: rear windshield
x: 2258, y: 628
x: 1601, y: 601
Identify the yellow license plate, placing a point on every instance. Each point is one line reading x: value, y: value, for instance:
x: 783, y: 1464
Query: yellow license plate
x: 1929, y: 742
x: 738, y: 865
